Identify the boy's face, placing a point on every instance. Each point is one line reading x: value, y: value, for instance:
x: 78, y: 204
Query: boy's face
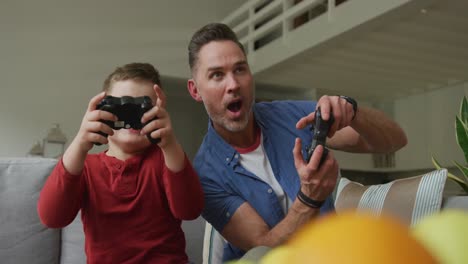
x: 130, y: 139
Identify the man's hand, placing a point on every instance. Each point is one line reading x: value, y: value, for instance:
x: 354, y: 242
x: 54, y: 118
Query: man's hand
x: 316, y: 182
x: 342, y: 110
x: 247, y: 229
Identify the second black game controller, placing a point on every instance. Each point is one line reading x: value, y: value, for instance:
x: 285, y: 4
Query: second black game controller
x: 128, y: 110
x: 320, y: 132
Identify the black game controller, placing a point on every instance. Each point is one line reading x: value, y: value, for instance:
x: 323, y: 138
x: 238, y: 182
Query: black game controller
x: 321, y: 128
x: 128, y: 110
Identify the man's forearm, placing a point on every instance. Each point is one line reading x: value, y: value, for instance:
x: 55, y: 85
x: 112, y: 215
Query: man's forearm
x: 247, y: 229
x: 297, y: 216
x: 377, y: 131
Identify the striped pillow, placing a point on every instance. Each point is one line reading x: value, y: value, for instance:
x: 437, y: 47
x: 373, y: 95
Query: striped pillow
x: 409, y: 199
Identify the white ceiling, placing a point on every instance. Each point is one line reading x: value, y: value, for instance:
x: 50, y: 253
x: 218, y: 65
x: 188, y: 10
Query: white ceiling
x: 399, y: 54
x: 413, y: 49
x: 87, y: 39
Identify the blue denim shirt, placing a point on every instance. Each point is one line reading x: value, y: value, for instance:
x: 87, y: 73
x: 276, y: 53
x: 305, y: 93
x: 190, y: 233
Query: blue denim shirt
x: 227, y: 184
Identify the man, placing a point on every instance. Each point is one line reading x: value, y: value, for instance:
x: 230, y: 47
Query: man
x: 249, y: 175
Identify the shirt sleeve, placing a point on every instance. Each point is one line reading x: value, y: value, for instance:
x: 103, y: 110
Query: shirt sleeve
x: 183, y: 191
x: 306, y: 107
x: 60, y: 198
x: 220, y: 205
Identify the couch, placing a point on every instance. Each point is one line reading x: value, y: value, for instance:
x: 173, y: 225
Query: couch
x: 409, y: 200
x: 23, y: 239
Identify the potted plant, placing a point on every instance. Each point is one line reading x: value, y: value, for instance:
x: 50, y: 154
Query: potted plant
x: 461, y: 133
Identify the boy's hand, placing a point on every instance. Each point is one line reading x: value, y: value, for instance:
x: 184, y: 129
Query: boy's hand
x: 161, y: 126
x: 91, y: 125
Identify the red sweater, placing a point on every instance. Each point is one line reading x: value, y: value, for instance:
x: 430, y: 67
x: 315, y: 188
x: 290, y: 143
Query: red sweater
x: 131, y: 210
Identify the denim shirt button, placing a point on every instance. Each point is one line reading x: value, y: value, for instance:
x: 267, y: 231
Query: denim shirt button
x: 270, y: 190
x: 237, y: 156
x: 227, y: 159
x: 228, y: 214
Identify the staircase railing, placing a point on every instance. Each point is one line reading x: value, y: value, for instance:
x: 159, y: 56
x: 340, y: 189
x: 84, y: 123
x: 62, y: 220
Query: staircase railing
x: 259, y: 22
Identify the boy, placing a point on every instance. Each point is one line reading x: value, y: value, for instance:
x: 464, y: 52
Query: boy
x: 134, y: 195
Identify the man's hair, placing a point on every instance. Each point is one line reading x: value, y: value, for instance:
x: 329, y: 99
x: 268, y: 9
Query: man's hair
x: 207, y: 34
x: 132, y: 71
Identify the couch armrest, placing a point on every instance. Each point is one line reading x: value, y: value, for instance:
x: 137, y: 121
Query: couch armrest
x: 455, y: 202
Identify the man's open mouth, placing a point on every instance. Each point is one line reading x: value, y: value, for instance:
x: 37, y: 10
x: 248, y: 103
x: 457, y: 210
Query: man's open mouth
x: 235, y: 106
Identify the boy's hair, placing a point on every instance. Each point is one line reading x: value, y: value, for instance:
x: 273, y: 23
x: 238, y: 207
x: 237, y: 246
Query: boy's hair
x: 132, y: 71
x: 208, y: 33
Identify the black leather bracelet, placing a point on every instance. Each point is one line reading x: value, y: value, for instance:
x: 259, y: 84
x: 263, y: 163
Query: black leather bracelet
x: 309, y: 201
x: 352, y: 102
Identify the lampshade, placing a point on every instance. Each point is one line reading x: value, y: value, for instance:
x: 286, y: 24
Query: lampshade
x: 36, y: 150
x: 56, y: 135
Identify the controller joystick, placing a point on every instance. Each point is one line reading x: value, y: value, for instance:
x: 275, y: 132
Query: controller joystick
x: 320, y: 132
x: 128, y: 110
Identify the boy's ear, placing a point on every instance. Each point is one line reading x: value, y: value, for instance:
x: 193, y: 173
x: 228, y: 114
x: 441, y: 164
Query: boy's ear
x: 193, y: 90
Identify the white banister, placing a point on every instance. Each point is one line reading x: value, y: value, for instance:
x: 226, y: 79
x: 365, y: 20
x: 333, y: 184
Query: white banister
x: 331, y: 7
x: 250, y: 25
x: 240, y: 12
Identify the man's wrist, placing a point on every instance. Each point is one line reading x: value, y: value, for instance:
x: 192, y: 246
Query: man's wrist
x: 306, y: 200
x: 352, y: 102
x: 301, y: 208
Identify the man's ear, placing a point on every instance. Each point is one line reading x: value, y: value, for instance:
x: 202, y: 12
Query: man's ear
x: 193, y: 90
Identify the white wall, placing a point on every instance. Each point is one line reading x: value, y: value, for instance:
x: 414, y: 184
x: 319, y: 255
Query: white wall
x: 28, y: 109
x: 429, y: 121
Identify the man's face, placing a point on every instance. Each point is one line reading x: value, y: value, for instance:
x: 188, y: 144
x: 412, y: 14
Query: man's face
x: 223, y: 81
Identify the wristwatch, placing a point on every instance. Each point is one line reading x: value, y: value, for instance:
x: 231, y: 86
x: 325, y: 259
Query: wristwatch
x: 352, y: 102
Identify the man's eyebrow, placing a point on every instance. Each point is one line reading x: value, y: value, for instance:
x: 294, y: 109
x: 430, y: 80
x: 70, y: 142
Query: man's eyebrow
x: 241, y: 63
x: 217, y: 68
x: 214, y: 68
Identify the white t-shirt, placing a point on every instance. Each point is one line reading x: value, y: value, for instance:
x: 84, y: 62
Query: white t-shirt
x: 256, y: 161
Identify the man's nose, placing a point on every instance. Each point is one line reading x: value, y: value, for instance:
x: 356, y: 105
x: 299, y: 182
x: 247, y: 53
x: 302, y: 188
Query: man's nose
x: 232, y: 83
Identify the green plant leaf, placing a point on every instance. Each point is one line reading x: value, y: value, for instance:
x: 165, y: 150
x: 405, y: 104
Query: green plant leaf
x: 462, y: 136
x: 462, y: 184
x: 436, y: 163
x: 454, y: 178
x: 464, y: 111
x: 463, y: 169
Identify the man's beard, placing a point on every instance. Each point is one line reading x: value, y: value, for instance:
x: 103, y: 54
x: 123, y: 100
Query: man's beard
x: 229, y: 125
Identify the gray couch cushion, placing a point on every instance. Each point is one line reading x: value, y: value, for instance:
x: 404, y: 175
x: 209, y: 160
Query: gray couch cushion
x: 194, y: 231
x: 73, y: 243
x: 455, y: 202
x: 23, y: 239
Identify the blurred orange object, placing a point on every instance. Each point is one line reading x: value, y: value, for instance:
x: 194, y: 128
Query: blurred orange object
x: 446, y: 235
x: 357, y: 237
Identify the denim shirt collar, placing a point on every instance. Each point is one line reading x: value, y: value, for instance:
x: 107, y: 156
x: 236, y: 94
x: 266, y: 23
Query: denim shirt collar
x: 223, y: 149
